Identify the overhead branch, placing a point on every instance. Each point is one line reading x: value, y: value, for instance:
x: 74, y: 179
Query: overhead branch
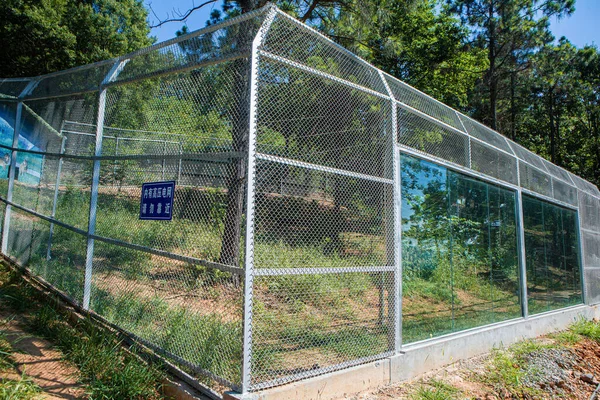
x: 177, y: 15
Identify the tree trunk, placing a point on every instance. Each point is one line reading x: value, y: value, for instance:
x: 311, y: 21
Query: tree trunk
x: 558, y: 157
x: 552, y: 126
x: 236, y: 181
x: 596, y: 131
x: 513, y: 111
x: 492, y: 78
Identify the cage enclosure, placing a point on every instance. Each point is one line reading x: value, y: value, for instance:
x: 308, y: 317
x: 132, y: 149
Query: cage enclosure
x: 324, y: 213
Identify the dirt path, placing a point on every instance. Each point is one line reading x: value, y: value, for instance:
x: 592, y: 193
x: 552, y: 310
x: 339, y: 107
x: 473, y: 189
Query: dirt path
x: 36, y: 358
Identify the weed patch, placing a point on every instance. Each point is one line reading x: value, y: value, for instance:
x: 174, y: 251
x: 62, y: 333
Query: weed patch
x: 21, y: 389
x: 435, y: 390
x: 588, y: 329
x: 108, y: 371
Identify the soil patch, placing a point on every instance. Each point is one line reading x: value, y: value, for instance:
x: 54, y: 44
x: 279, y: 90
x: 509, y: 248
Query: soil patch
x: 36, y: 358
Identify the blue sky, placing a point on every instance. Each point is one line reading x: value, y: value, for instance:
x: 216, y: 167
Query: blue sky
x: 169, y: 8
x: 581, y: 28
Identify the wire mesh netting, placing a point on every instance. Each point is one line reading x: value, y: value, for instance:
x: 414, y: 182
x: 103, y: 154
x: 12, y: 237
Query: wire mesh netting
x: 325, y: 214
x: 12, y: 88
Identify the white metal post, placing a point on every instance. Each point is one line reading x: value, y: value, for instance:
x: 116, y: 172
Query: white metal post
x: 397, y: 225
x: 55, y: 199
x: 397, y: 235
x: 13, y: 165
x: 249, y: 262
x: 522, y: 255
x: 581, y: 259
x: 89, y: 258
x: 250, y: 188
x: 94, y: 201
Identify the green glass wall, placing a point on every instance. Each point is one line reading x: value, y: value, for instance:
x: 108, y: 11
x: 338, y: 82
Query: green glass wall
x: 459, y: 252
x: 552, y: 252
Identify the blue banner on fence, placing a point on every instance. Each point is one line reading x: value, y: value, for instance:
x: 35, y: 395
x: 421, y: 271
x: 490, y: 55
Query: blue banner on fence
x: 157, y: 200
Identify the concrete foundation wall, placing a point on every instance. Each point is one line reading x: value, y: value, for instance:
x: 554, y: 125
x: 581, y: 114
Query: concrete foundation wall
x: 422, y: 357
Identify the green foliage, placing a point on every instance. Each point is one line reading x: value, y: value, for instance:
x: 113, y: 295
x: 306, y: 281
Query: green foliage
x: 68, y: 33
x: 567, y: 337
x: 503, y: 371
x: 6, y: 351
x: 420, y: 43
x: 109, y: 371
x: 588, y: 329
x: 22, y: 389
x: 509, y: 32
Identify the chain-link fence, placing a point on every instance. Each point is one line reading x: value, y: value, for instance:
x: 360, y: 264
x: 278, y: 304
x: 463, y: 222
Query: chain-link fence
x: 325, y: 214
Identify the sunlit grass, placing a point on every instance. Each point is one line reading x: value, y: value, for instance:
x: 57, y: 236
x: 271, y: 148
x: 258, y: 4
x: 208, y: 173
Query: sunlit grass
x: 21, y: 389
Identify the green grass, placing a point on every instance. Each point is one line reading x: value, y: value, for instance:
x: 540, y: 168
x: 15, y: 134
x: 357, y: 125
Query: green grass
x: 206, y: 341
x: 588, y: 329
x: 22, y: 389
x: 6, y: 351
x: 108, y: 371
x: 524, y: 348
x: 419, y: 287
x: 290, y: 312
x: 504, y: 371
x: 507, y: 368
x: 566, y: 338
x: 435, y: 390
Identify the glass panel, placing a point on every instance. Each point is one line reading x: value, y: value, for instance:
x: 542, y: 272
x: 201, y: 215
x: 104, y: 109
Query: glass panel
x: 552, y: 250
x: 460, y: 260
x: 8, y: 114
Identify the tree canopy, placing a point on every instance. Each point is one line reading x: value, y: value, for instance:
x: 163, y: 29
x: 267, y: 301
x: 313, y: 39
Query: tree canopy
x: 42, y: 36
x: 496, y: 60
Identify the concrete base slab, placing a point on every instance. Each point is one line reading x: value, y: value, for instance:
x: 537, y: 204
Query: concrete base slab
x: 418, y: 358
x: 422, y: 357
x: 328, y: 386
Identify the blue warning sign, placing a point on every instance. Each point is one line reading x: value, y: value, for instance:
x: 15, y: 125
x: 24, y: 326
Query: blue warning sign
x: 157, y: 201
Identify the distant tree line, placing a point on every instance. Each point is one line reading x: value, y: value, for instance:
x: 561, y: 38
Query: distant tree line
x: 495, y: 60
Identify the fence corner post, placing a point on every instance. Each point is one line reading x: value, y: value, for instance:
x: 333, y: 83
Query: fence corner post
x: 522, y: 255
x: 250, y: 191
x: 395, y: 236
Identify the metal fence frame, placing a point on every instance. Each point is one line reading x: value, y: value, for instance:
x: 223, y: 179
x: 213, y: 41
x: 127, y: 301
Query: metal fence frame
x: 257, y: 54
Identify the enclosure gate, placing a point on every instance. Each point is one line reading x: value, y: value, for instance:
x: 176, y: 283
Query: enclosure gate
x: 325, y: 214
